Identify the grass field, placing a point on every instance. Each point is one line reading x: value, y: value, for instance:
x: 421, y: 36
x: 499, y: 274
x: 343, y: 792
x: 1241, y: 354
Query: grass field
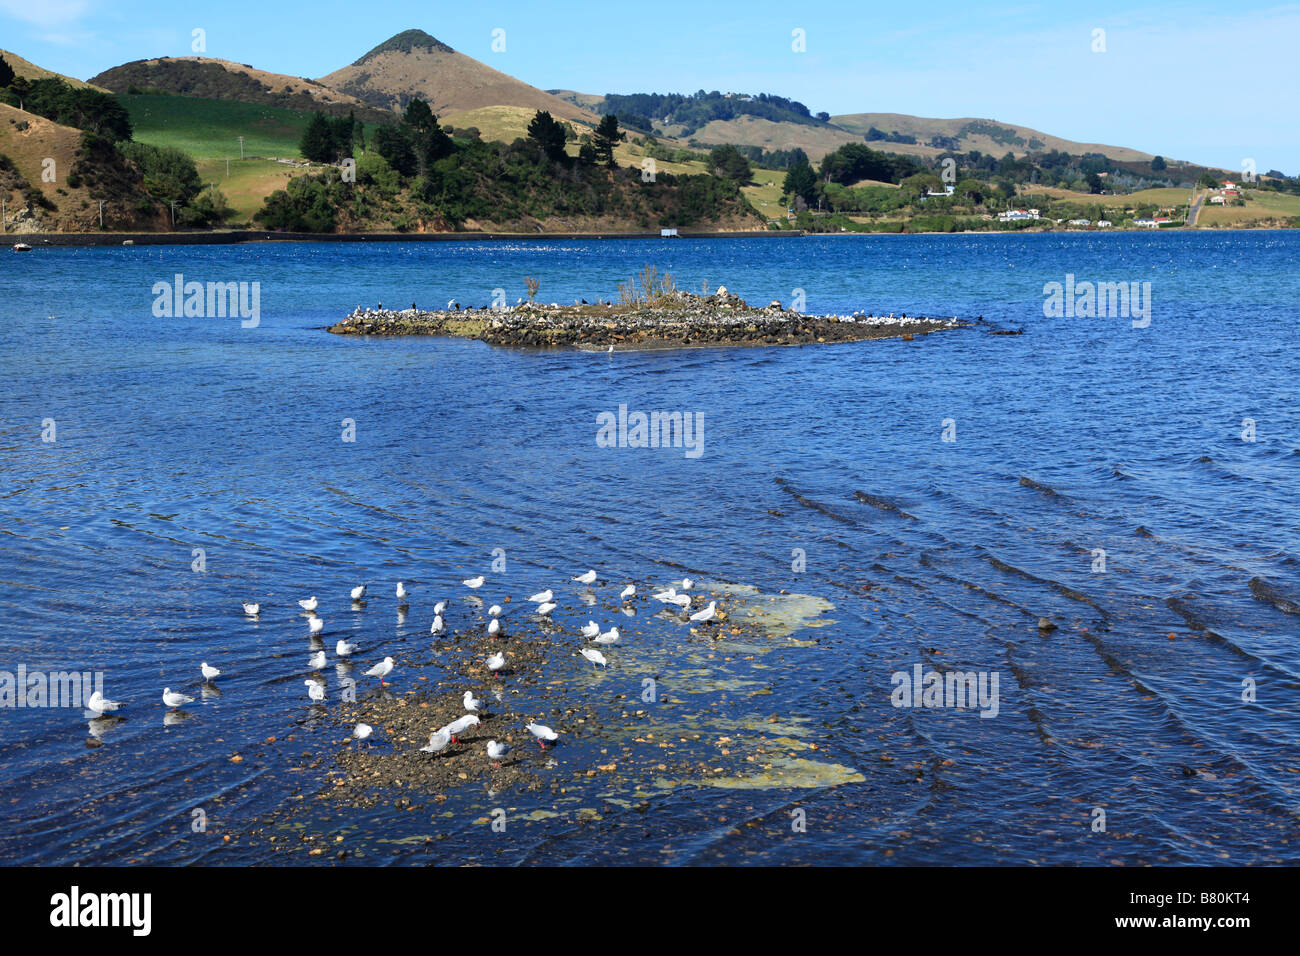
x: 765, y: 193
x: 210, y: 129
x: 249, y: 182
x: 1260, y: 206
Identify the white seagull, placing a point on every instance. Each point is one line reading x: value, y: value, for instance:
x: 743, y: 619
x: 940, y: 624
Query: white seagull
x: 317, y: 661
x: 252, y: 610
x: 100, y: 704
x: 358, y: 592
x: 363, y: 732
x: 440, y: 607
x: 209, y: 673
x: 494, y: 627
x: 543, y: 733
x: 681, y: 600
x: 590, y: 629
x: 665, y: 596
x: 586, y: 578
x: 593, y: 655
x: 496, y: 662
x: 609, y: 637
x: 497, y: 751
x: 381, y: 670
x: 495, y: 610
x: 343, y: 648
x: 174, y: 700
x: 438, y: 741
x: 459, y: 726
x: 474, y: 583
x: 627, y: 592
x: 707, y: 614
x: 545, y: 609
x: 541, y: 597
x: 402, y: 593
x: 472, y: 704
x: 437, y: 627
x: 687, y: 584
x: 315, y: 625
x: 315, y: 690
x: 310, y: 604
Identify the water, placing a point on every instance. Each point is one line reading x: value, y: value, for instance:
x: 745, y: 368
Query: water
x: 188, y: 433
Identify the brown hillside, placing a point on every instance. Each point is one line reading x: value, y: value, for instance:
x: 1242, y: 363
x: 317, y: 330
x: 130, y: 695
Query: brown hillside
x: 415, y: 65
x: 31, y: 71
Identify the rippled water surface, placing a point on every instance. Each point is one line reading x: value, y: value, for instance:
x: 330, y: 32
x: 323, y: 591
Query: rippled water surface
x: 1081, y: 435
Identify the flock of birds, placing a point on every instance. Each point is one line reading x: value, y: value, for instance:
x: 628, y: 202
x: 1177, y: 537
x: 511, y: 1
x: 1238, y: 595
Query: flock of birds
x: 445, y: 736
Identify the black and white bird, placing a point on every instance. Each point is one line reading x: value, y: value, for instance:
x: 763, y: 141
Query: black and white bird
x: 174, y: 699
x: 496, y: 752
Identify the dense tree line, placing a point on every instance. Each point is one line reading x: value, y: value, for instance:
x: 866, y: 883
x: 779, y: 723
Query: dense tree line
x: 331, y: 139
x: 81, y: 108
x: 697, y: 109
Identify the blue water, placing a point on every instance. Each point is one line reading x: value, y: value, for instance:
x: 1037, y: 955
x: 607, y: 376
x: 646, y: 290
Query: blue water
x: 175, y: 434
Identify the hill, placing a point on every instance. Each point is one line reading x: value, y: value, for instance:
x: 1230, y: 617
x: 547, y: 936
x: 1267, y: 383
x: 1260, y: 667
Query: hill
x: 209, y: 78
x: 415, y: 65
x: 31, y: 71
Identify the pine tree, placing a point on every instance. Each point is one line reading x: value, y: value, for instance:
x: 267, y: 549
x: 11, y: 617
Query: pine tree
x: 606, y: 137
x: 317, y: 143
x: 548, y: 134
x: 6, y: 73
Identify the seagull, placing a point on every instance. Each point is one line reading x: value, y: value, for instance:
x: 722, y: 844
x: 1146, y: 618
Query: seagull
x: 315, y: 625
x: 315, y: 691
x: 495, y: 610
x: 593, y: 655
x: 381, y: 670
x: 438, y: 740
x: 609, y: 637
x: 473, y: 583
x: 707, y: 614
x: 100, y: 704
x: 174, y: 700
x: 586, y: 578
x: 472, y: 704
x: 459, y: 726
x: 402, y: 593
x: 665, y: 596
x: 343, y: 648
x: 545, y: 609
x: 496, y: 662
x: 494, y: 627
x: 358, y: 592
x: 209, y: 673
x: 496, y: 751
x: 252, y: 610
x: 317, y: 661
x: 437, y: 627
x: 310, y: 604
x: 362, y: 732
x: 681, y: 600
x: 543, y: 733
x: 541, y: 597
x: 627, y: 592
x: 687, y: 584
x: 590, y: 629
x: 440, y: 607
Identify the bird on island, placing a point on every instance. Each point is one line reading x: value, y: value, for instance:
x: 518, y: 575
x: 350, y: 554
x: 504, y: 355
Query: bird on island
x: 545, y: 609
x: 438, y: 626
x: 438, y: 741
x: 494, y: 627
x: 440, y: 607
x: 209, y: 673
x: 343, y: 648
x: 496, y: 752
x: 317, y: 661
x: 495, y: 610
x: 590, y: 629
x: 173, y: 699
x: 609, y: 637
x: 708, y: 614
x: 472, y: 704
x: 459, y: 726
x: 381, y: 670
x: 359, y: 592
x: 100, y: 704
x: 315, y: 690
x: 252, y: 610
x: 474, y: 583
x: 496, y: 662
x: 362, y: 732
x: 541, y: 597
x: 586, y: 577
x: 593, y: 655
x: 402, y: 593
x: 627, y: 592
x: 315, y: 625
x: 543, y: 734
x: 310, y: 604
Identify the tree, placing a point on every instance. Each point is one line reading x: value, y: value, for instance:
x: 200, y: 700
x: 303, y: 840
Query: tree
x: 548, y: 134
x: 729, y: 163
x: 317, y: 140
x: 394, y: 144
x: 1094, y: 183
x: 418, y: 116
x: 6, y: 73
x: 606, y: 137
x: 1158, y: 164
x: 800, y: 181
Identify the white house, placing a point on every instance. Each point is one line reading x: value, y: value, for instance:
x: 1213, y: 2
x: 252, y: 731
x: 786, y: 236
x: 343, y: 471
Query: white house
x: 947, y: 191
x: 1080, y: 222
x: 1218, y: 199
x: 1149, y: 223
x: 1104, y: 223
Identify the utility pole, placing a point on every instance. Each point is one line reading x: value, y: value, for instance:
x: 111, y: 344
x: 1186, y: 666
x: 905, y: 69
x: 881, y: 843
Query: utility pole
x: 101, y: 214
x: 241, y: 147
x: 227, y: 167
x: 173, y: 215
x: 2, y: 213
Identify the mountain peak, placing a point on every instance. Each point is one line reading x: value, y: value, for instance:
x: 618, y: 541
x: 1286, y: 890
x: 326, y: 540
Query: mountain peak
x: 408, y: 41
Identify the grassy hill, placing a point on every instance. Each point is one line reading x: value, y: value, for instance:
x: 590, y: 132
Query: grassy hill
x: 31, y: 71
x: 210, y: 128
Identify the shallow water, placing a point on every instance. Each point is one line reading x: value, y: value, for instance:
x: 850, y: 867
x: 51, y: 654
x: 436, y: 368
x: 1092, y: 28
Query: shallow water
x: 1082, y: 434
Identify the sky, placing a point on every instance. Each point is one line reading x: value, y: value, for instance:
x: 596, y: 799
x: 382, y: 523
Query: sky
x: 1211, y: 83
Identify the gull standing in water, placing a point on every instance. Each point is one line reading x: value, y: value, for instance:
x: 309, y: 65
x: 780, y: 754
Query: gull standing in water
x: 472, y: 704
x: 494, y: 627
x: 590, y: 629
x: 474, y: 583
x: 496, y: 662
x: 100, y: 704
x: 495, y: 610
x: 687, y: 584
x: 593, y: 655
x: 317, y: 661
x: 665, y: 596
x: 440, y: 607
x: 496, y: 752
x: 359, y: 592
x: 437, y: 627
x: 586, y: 578
x: 343, y: 648
x: 381, y: 670
x: 708, y: 614
x: 627, y: 592
x: 315, y: 625
x: 174, y: 700
x: 252, y: 610
x: 402, y: 593
x: 438, y: 741
x: 541, y: 597
x: 315, y: 690
x: 310, y: 604
x: 545, y: 609
x: 209, y: 673
x: 609, y: 637
x: 362, y: 732
x: 543, y: 733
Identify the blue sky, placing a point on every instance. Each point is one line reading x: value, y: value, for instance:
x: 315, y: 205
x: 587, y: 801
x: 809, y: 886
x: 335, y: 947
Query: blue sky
x: 1212, y: 83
